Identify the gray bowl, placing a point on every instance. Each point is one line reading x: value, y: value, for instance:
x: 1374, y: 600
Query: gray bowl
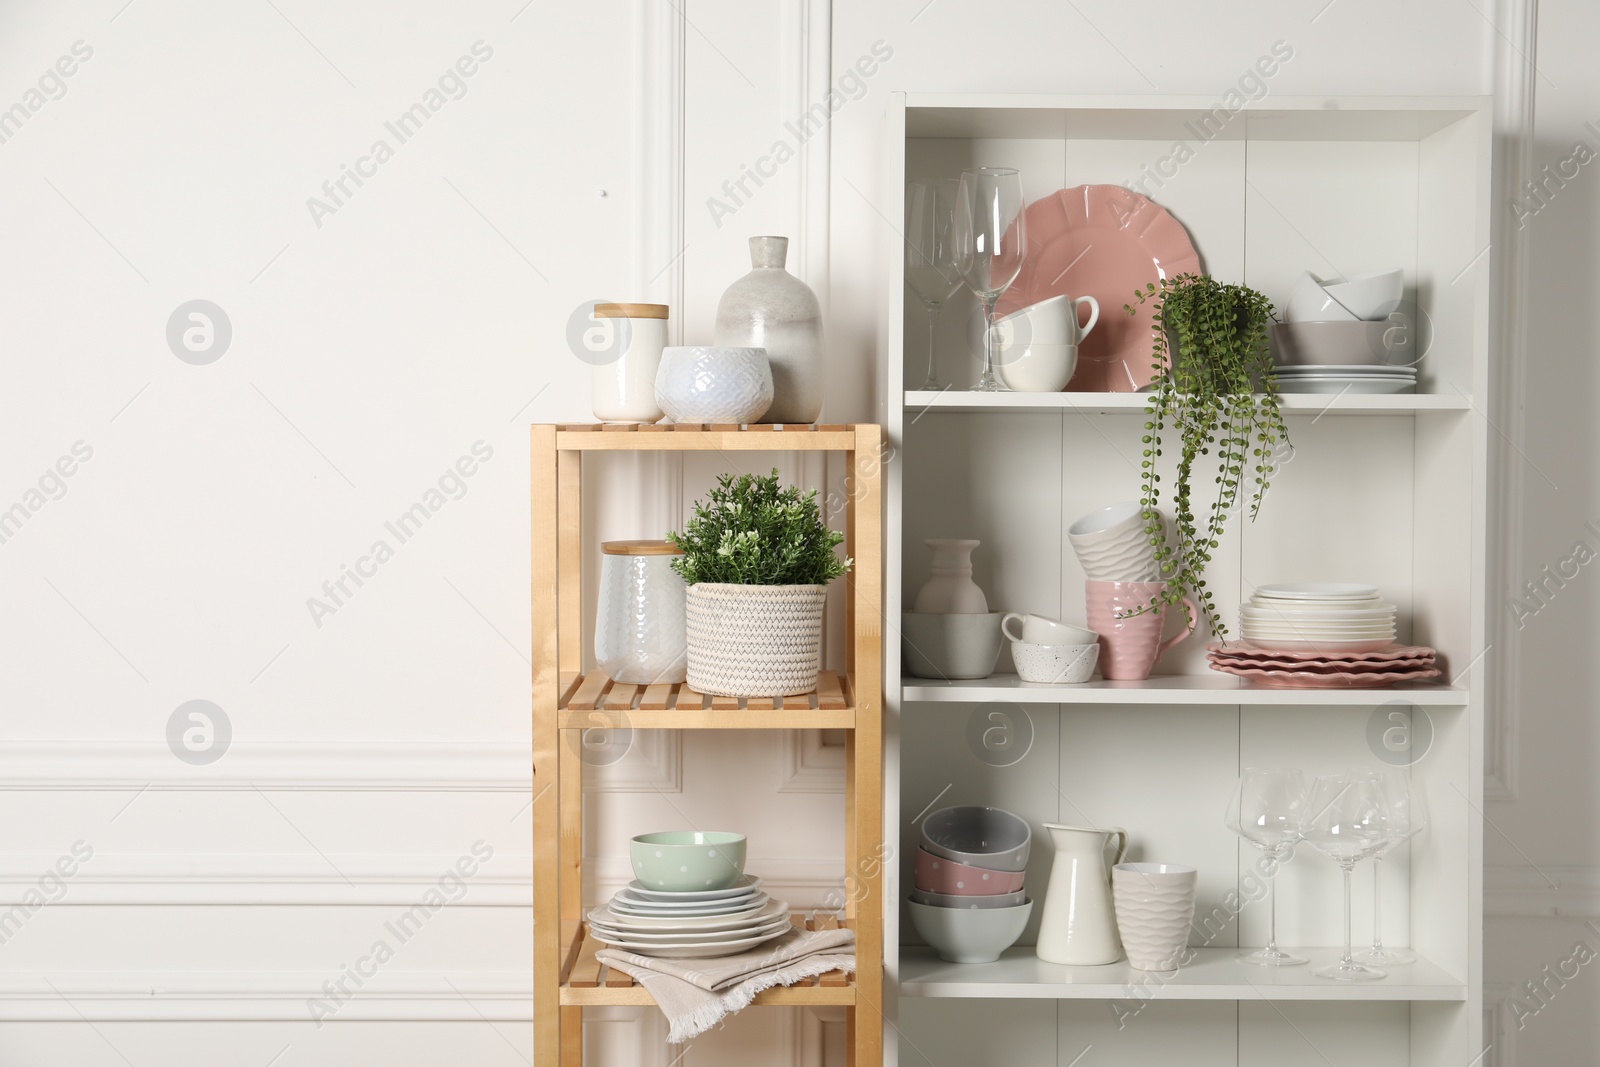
x: 970, y: 935
x: 991, y: 838
x: 950, y: 646
x: 946, y: 900
x: 1341, y: 344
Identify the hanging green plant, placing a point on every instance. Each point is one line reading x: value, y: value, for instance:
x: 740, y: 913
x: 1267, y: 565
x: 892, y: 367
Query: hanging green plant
x: 1210, y: 358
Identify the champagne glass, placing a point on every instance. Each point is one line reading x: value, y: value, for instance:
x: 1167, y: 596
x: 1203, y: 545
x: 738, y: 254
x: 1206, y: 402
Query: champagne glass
x: 1267, y: 810
x: 1348, y: 819
x: 932, y: 269
x: 1408, y: 817
x: 991, y: 237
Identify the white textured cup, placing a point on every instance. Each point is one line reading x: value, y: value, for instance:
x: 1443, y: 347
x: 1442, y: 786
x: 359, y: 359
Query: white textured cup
x: 1112, y: 545
x: 1038, y: 630
x: 1155, y: 905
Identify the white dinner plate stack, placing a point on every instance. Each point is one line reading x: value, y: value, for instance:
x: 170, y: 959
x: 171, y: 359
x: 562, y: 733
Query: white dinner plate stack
x: 1352, y: 379
x: 1318, y: 617
x: 692, y: 925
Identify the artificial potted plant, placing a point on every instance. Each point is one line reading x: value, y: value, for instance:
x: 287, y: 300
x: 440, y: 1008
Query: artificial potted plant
x: 757, y: 559
x: 1211, y: 358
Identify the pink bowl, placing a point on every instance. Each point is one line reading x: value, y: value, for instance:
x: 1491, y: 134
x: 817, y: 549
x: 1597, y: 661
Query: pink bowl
x: 935, y: 874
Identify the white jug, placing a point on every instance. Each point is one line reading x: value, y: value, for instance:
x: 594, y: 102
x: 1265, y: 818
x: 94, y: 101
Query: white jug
x: 1079, y: 927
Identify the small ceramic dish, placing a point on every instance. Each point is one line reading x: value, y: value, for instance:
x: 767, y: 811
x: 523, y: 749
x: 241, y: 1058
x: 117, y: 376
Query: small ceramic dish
x: 688, y: 860
x: 1055, y: 664
x: 991, y: 838
x: 935, y: 874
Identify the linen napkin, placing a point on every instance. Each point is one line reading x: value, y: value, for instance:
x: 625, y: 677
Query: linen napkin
x: 695, y: 995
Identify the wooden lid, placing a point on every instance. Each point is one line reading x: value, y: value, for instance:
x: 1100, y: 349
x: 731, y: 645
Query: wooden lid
x: 630, y: 311
x: 640, y: 548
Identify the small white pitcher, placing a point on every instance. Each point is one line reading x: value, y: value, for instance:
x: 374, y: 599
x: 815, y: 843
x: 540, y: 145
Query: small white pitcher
x: 1079, y: 927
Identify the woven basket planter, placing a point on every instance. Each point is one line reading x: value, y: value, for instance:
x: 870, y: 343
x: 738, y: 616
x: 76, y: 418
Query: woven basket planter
x: 754, y: 640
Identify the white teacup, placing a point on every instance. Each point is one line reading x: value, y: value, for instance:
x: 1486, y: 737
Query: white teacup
x: 1038, y: 630
x: 1036, y: 368
x: 1049, y: 322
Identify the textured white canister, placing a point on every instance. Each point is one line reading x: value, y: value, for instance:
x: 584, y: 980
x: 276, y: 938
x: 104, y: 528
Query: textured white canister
x: 624, y: 390
x: 640, y: 630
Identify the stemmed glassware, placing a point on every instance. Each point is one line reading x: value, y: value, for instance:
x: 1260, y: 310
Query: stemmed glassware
x: 1267, y: 810
x: 1347, y: 818
x: 1408, y: 817
x: 991, y: 239
x: 933, y: 269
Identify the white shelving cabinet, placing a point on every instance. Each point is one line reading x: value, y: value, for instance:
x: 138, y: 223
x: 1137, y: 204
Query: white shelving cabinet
x: 1385, y: 489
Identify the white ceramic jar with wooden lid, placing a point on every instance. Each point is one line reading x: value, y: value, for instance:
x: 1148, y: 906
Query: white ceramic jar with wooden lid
x: 624, y: 387
x: 640, y: 632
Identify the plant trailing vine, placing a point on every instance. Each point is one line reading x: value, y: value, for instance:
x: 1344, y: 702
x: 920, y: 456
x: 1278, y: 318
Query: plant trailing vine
x: 1210, y: 356
x: 751, y: 531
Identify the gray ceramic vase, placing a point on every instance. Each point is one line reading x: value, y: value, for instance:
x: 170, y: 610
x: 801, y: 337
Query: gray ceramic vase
x: 772, y: 309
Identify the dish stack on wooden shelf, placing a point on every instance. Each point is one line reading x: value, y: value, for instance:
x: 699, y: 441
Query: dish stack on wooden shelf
x: 1321, y: 635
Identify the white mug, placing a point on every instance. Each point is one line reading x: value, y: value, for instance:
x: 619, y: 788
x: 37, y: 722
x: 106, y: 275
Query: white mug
x: 1038, y: 630
x: 1049, y: 322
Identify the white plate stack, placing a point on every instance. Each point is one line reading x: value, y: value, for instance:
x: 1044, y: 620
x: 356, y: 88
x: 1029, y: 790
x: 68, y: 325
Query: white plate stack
x: 690, y: 925
x: 1327, y: 617
x: 1347, y: 379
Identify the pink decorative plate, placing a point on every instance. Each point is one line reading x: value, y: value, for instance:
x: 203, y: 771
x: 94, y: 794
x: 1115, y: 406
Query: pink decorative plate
x: 1102, y: 241
x: 1336, y: 680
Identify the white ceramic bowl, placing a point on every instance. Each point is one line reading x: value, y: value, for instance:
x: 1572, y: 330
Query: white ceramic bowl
x: 1310, y: 302
x: 1369, y: 296
x: 979, y: 836
x: 950, y: 646
x: 1036, y: 368
x: 970, y: 935
x: 1056, y: 664
x: 712, y: 383
x: 947, y: 900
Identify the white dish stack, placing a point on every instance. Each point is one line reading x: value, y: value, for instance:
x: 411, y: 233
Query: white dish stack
x: 690, y: 925
x: 1347, y: 336
x: 1318, y: 617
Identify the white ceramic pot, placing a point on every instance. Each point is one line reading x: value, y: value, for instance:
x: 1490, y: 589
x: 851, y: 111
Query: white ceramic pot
x: 950, y: 646
x: 1155, y: 905
x: 772, y: 309
x: 951, y: 590
x: 714, y: 384
x: 754, y: 640
x: 640, y: 622
x: 624, y: 390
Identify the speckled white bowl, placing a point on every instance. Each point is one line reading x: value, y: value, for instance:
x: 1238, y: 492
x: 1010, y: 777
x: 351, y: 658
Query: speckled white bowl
x: 1059, y: 664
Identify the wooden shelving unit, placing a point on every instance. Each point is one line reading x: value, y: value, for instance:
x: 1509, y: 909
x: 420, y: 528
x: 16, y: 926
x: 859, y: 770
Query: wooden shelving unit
x: 567, y: 977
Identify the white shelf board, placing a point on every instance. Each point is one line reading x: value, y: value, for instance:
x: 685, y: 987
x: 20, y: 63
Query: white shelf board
x: 1315, y: 404
x: 1215, y: 688
x: 1214, y: 974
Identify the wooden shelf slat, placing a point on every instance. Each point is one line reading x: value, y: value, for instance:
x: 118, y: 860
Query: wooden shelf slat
x: 589, y: 691
x: 586, y: 972
x: 656, y: 696
x: 673, y: 705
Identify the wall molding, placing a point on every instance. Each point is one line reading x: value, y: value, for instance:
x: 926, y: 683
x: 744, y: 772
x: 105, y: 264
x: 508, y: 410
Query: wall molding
x: 1516, y: 46
x: 262, y: 996
x: 1499, y: 1029
x: 335, y: 766
x: 653, y: 764
x: 807, y: 764
x: 328, y: 879
x: 1522, y: 891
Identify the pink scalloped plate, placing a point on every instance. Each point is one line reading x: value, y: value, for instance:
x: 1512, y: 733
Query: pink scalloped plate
x: 1106, y: 242
x: 1338, y: 680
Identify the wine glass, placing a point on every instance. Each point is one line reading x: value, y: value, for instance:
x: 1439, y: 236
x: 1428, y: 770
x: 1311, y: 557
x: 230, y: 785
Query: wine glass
x: 1348, y: 819
x: 1408, y: 817
x: 932, y: 269
x: 1267, y: 810
x: 991, y: 237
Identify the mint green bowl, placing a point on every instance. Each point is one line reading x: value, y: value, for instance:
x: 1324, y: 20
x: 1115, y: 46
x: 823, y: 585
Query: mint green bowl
x: 684, y: 861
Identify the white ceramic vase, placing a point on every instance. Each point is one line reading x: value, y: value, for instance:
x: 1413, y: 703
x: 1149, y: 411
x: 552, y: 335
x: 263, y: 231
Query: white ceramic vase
x: 951, y: 590
x: 772, y: 309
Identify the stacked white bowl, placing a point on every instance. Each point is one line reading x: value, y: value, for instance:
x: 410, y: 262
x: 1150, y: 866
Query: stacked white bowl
x: 1326, y: 617
x: 1344, y: 336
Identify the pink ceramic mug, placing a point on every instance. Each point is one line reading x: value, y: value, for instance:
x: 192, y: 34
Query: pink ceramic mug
x: 1129, y: 647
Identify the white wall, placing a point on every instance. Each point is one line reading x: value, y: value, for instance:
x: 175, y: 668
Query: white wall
x: 423, y: 316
